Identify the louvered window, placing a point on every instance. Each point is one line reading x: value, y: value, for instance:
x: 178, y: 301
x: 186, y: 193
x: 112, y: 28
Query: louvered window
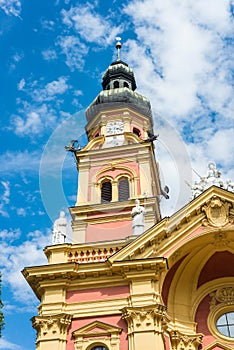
x: 106, y: 192
x: 123, y: 189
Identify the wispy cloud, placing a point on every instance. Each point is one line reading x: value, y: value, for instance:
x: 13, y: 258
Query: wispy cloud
x: 49, y: 54
x: 25, y: 161
x: 40, y: 114
x: 5, y: 197
x: 182, y: 59
x: 7, y: 345
x: 14, y: 257
x: 90, y: 25
x: 74, y: 50
x: 11, y: 7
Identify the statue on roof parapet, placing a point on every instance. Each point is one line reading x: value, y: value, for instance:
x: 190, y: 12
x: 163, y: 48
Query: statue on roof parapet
x: 213, y: 177
x: 60, y: 229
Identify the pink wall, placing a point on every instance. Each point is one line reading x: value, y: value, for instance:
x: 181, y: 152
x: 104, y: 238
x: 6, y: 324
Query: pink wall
x: 108, y: 231
x: 113, y: 320
x: 98, y: 294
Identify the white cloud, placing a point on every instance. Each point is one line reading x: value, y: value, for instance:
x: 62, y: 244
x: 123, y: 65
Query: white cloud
x: 183, y: 64
x: 11, y: 7
x: 49, y: 55
x: 187, y: 50
x: 35, y: 121
x: 7, y: 345
x: 21, y: 84
x: 10, y: 235
x: 4, y: 198
x: 26, y: 161
x: 49, y: 91
x: 21, y: 212
x: 90, y: 25
x: 74, y: 50
x: 14, y: 257
x: 35, y: 118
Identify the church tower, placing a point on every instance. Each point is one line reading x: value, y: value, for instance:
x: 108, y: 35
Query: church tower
x: 118, y: 165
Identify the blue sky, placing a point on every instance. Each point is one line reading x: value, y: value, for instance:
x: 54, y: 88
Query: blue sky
x: 53, y: 54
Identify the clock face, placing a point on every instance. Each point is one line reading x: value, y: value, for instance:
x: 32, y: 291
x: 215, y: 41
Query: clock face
x: 113, y: 128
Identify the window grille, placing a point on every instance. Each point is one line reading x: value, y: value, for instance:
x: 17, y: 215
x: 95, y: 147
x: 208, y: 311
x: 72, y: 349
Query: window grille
x: 123, y: 189
x: 106, y: 192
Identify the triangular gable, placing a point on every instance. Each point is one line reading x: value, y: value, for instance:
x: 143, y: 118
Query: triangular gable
x: 194, y: 219
x: 218, y: 345
x: 96, y: 328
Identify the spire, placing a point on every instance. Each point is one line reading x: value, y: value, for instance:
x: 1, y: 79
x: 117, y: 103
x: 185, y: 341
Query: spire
x: 118, y: 74
x: 118, y: 47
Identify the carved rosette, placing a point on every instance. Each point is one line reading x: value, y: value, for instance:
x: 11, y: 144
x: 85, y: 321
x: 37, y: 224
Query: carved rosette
x: 185, y: 341
x: 222, y: 295
x: 217, y: 212
x: 144, y: 318
x: 52, y: 327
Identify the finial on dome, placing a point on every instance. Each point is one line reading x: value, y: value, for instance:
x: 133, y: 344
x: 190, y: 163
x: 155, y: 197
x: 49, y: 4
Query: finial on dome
x: 118, y: 46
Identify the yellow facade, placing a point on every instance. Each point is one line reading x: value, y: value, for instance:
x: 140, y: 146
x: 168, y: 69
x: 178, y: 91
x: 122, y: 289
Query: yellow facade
x: 161, y: 268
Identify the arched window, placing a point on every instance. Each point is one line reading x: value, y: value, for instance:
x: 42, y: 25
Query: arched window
x: 126, y: 84
x: 136, y: 132
x: 116, y: 84
x: 123, y: 189
x: 106, y: 191
x: 99, y: 348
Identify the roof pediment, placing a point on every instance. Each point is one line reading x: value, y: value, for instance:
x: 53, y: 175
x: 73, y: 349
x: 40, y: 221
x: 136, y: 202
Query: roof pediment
x: 212, y: 211
x: 96, y: 328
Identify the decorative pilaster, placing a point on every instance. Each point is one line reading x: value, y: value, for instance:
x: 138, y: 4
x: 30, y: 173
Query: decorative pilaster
x: 180, y: 341
x: 52, y: 331
x: 145, y: 326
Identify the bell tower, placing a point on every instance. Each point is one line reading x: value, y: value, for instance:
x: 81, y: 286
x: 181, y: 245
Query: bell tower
x: 118, y: 164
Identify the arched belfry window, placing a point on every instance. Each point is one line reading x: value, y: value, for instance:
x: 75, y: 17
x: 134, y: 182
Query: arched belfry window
x: 106, y: 191
x: 123, y: 189
x: 116, y: 84
x: 99, y: 348
x: 126, y: 84
x: 136, y: 132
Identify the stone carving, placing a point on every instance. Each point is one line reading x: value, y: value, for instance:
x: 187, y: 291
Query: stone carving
x: 213, y: 177
x: 138, y: 218
x: 60, y: 229
x: 217, y: 213
x: 52, y: 327
x: 222, y: 295
x: 185, y: 341
x: 220, y: 240
x: 140, y: 318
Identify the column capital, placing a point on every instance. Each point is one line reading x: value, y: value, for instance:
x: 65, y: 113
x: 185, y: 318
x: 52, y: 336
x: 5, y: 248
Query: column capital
x: 140, y: 319
x: 53, y: 327
x: 185, y: 341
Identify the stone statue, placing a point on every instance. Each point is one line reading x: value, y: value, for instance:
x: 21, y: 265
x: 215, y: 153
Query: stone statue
x: 60, y: 229
x: 138, y: 218
x: 213, y: 177
x: 213, y: 174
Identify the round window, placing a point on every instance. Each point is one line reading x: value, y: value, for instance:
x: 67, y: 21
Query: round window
x: 225, y: 324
